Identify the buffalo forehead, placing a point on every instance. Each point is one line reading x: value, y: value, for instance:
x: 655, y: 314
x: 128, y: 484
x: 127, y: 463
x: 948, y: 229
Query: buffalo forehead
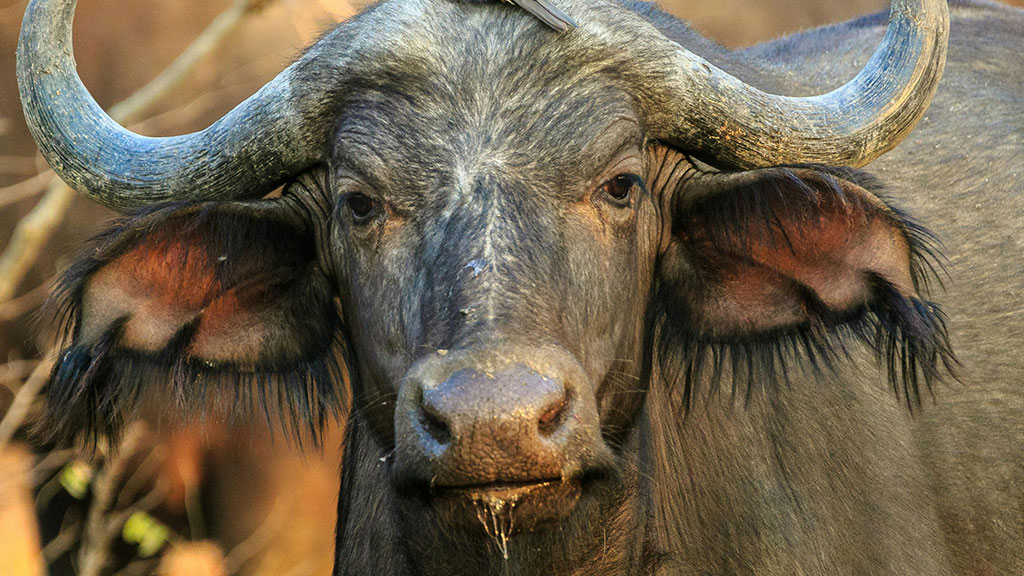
x: 502, y: 95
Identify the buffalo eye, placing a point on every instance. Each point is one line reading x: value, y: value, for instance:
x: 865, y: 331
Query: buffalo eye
x: 617, y: 189
x: 361, y: 205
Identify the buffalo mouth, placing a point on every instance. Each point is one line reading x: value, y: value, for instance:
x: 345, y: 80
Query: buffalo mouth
x: 503, y: 509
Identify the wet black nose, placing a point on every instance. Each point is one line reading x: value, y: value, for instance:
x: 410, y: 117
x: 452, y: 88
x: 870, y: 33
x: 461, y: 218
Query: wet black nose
x: 471, y: 407
x: 478, y: 427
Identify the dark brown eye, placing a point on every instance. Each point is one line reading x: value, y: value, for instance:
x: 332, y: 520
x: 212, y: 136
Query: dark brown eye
x: 617, y: 189
x: 361, y: 205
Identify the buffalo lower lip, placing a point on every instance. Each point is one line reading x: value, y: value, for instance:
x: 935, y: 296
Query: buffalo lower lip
x: 506, y: 509
x: 504, y: 491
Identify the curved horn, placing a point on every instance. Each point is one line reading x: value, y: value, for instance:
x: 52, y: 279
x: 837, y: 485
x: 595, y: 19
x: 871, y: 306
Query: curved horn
x: 246, y: 153
x: 700, y: 107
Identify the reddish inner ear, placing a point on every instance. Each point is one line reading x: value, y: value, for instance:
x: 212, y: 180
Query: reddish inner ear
x: 225, y: 304
x: 159, y: 286
x: 786, y: 254
x: 242, y: 283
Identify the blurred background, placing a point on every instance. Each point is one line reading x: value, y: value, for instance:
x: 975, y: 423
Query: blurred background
x: 186, y: 499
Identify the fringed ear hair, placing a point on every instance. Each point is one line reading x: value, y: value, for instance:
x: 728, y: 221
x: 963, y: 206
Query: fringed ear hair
x: 223, y: 304
x: 772, y: 266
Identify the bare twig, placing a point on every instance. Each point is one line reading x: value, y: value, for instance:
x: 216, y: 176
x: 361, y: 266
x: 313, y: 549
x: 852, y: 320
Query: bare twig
x: 152, y: 499
x: 258, y: 540
x: 19, y: 164
x: 65, y: 539
x: 100, y: 529
x: 31, y: 235
x: 200, y: 104
x: 26, y: 188
x: 128, y: 110
x: 23, y: 401
x: 36, y: 228
x: 136, y: 568
x: 54, y: 460
x: 26, y: 302
x: 49, y: 489
x: 144, y: 472
x: 16, y: 371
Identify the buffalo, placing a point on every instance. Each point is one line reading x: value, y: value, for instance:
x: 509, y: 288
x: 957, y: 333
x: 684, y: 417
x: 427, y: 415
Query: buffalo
x: 595, y: 295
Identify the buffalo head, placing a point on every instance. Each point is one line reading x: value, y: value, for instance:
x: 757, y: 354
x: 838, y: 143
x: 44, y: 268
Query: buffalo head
x: 503, y: 235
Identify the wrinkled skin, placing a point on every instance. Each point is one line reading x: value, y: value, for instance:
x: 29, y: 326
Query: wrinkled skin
x: 483, y: 230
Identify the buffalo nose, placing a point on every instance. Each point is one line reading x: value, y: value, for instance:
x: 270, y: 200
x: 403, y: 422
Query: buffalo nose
x: 478, y: 427
x: 516, y: 402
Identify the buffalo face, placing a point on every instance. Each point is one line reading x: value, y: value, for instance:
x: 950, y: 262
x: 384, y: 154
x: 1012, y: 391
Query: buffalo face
x: 501, y: 239
x: 497, y: 277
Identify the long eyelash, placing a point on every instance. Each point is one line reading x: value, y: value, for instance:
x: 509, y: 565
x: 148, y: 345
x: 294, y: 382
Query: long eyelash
x: 907, y: 334
x: 94, y: 390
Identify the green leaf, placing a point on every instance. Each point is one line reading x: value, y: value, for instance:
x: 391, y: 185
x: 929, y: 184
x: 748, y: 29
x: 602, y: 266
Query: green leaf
x: 75, y: 478
x: 148, y: 533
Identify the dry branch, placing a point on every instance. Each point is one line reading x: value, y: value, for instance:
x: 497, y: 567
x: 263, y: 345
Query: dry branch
x: 23, y: 401
x: 36, y: 228
x: 26, y: 188
x: 25, y: 303
x: 16, y: 371
x: 259, y: 539
x: 64, y: 541
x: 31, y: 235
x: 19, y: 164
x: 129, y: 110
x: 103, y: 523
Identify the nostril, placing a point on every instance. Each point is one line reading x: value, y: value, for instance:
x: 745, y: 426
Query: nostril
x: 551, y: 420
x: 435, y: 425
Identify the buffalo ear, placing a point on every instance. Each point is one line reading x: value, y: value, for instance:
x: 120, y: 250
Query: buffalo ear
x: 767, y: 264
x: 224, y: 303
